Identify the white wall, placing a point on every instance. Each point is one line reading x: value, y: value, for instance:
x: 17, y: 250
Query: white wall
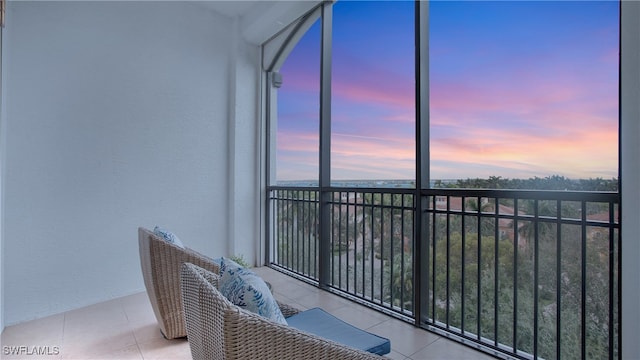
x: 116, y: 117
x: 630, y: 135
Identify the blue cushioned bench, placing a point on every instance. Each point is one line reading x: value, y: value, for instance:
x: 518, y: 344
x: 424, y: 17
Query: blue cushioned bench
x: 319, y: 322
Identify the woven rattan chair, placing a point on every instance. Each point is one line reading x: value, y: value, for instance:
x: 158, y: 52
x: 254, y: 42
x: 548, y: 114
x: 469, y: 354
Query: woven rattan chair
x: 219, y: 330
x: 161, y: 262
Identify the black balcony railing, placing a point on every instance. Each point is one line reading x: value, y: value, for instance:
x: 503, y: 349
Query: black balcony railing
x: 524, y: 274
x: 294, y: 229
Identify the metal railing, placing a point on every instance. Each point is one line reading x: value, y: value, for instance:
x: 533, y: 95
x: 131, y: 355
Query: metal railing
x: 295, y: 229
x: 525, y: 274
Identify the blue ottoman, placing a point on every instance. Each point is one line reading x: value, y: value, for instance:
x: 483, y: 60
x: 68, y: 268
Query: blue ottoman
x: 319, y: 322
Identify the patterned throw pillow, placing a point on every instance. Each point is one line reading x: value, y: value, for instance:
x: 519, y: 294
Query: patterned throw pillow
x: 247, y: 290
x: 168, y: 236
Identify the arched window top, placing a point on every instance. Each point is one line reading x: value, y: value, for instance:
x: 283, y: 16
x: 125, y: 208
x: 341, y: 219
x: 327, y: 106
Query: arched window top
x: 276, y: 50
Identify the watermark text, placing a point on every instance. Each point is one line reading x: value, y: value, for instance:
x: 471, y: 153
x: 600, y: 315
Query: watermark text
x: 22, y: 350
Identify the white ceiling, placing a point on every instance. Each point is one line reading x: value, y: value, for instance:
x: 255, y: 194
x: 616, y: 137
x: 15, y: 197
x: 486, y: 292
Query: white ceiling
x: 231, y: 8
x: 261, y: 19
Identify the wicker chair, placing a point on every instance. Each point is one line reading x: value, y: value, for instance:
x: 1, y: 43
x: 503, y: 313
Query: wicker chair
x: 219, y: 330
x: 161, y: 262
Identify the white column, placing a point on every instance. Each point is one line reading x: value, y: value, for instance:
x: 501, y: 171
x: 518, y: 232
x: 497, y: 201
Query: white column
x: 630, y: 169
x: 243, y: 198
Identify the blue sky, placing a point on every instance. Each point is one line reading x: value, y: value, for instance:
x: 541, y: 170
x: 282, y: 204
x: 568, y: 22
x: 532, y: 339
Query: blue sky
x: 517, y: 89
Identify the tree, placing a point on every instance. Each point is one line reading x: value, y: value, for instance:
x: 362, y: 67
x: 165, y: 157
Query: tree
x: 400, y: 291
x: 541, y: 209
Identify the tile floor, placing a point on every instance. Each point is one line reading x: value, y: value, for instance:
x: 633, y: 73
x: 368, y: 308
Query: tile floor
x: 125, y: 328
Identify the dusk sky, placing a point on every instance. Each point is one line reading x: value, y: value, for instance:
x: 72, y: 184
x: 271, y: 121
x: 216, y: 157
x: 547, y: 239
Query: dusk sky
x: 517, y: 89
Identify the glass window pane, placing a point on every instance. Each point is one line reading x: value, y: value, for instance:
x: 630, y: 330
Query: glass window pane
x: 524, y: 89
x: 373, y: 93
x: 297, y: 137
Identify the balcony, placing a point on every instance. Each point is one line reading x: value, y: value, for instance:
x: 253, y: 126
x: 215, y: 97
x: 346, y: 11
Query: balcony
x: 126, y: 328
x: 164, y: 125
x: 563, y: 246
x: 521, y: 274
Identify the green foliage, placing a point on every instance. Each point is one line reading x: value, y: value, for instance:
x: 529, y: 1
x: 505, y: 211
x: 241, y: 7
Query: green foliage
x: 240, y: 260
x: 400, y: 273
x: 553, y: 182
x: 296, y: 231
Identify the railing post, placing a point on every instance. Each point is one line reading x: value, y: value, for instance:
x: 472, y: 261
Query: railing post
x: 325, y: 148
x: 421, y: 255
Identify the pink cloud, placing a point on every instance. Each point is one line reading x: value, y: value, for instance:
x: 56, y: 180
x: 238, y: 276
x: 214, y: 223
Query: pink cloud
x: 366, y: 146
x: 372, y: 158
x: 352, y: 157
x: 546, y: 110
x: 579, y: 155
x: 401, y: 98
x: 306, y: 142
x: 511, y: 121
